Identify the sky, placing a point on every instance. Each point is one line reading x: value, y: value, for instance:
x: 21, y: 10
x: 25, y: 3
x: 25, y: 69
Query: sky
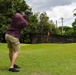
x: 55, y: 9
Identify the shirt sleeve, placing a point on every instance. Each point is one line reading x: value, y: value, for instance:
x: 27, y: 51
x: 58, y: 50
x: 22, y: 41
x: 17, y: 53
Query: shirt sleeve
x: 19, y: 21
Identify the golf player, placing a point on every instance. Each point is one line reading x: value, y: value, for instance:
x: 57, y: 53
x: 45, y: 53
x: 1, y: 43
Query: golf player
x: 19, y: 22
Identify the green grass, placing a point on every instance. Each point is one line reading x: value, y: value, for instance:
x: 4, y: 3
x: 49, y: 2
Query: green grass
x: 41, y: 59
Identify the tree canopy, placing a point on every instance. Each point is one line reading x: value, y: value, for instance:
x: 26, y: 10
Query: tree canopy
x: 7, y: 9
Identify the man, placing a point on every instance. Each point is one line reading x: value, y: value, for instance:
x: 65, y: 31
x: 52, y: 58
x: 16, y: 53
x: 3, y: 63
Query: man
x: 19, y: 21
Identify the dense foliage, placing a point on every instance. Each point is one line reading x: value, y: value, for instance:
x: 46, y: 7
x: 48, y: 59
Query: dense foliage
x: 7, y: 9
x: 38, y: 22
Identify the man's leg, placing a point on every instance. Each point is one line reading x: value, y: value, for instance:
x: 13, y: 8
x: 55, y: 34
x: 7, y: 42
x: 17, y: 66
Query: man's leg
x: 10, y: 54
x: 13, y: 58
x: 13, y: 54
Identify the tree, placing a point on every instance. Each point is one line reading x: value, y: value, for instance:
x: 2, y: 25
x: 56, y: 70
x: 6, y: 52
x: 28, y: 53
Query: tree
x: 44, y: 24
x: 74, y: 23
x: 67, y: 30
x: 7, y: 9
x: 74, y: 27
x: 52, y: 27
x: 74, y: 13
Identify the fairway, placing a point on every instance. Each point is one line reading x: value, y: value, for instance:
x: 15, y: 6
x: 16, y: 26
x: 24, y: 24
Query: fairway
x: 41, y: 59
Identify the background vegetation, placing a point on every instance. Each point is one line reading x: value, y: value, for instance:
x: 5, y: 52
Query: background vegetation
x: 38, y: 23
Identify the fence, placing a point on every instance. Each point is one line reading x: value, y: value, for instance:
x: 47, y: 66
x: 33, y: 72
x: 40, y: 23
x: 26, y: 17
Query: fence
x: 62, y: 39
x: 42, y: 38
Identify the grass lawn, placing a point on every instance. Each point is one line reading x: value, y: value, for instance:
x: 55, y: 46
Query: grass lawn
x: 41, y: 59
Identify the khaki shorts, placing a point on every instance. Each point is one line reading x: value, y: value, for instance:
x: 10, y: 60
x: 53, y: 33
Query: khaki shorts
x: 12, y: 42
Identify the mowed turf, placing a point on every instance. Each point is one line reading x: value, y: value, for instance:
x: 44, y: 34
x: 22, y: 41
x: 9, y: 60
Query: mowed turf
x: 41, y: 59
